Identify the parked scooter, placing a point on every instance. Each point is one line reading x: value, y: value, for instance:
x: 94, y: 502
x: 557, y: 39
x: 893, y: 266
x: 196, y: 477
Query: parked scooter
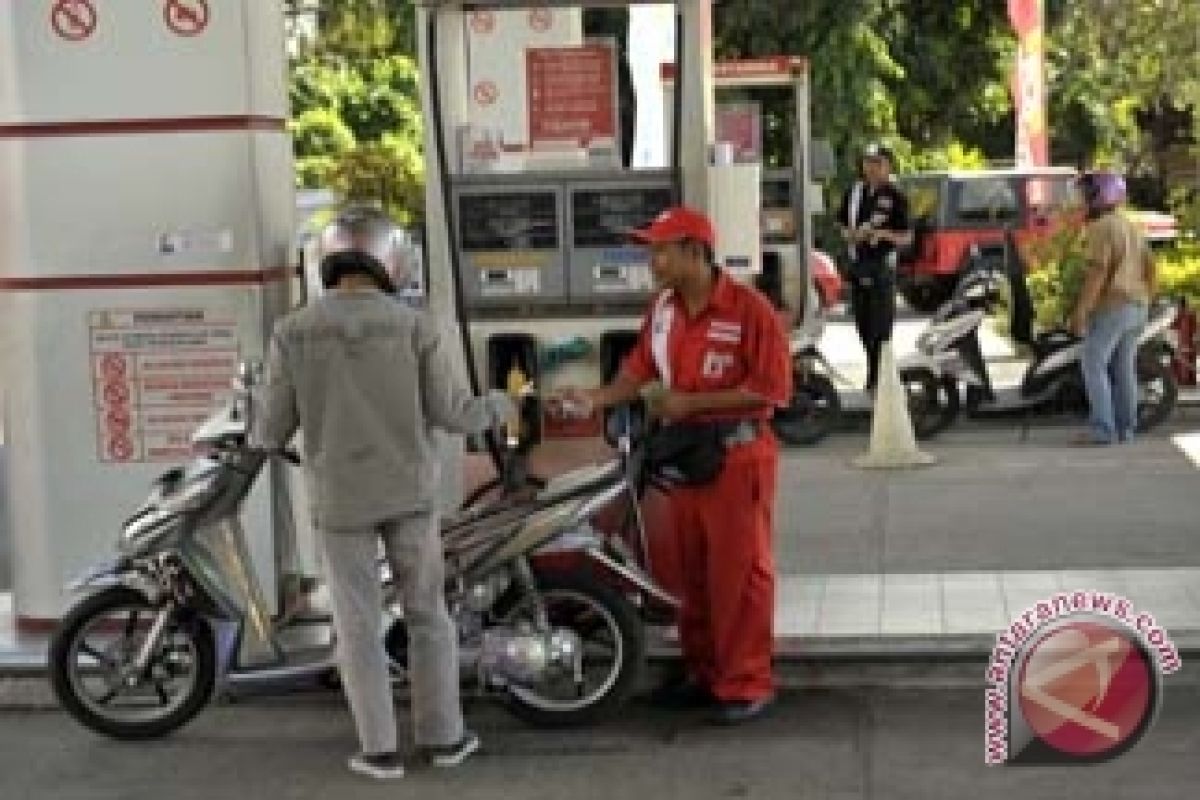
x: 949, y: 355
x: 550, y: 611
x: 816, y: 408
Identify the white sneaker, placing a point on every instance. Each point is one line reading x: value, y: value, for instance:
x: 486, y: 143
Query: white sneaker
x: 454, y: 754
x: 381, y: 766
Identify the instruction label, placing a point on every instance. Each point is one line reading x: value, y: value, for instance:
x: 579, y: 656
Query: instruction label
x: 157, y: 374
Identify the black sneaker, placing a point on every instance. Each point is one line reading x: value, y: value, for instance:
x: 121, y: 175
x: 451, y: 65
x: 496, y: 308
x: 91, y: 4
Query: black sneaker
x: 682, y: 693
x: 452, y: 755
x: 735, y: 712
x: 381, y: 766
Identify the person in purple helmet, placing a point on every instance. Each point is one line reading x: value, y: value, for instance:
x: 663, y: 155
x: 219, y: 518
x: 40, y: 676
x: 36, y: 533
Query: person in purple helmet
x: 1112, y: 308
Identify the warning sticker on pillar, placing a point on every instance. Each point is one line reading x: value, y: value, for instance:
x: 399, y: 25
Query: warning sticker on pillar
x: 157, y: 375
x: 483, y: 22
x: 572, y: 93
x: 541, y: 19
x: 74, y: 20
x: 486, y: 93
x: 186, y: 17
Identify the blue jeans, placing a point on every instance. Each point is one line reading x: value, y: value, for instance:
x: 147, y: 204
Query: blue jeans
x: 1110, y: 371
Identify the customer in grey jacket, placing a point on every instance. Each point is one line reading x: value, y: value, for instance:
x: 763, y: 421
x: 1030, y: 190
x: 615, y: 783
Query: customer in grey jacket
x: 368, y: 379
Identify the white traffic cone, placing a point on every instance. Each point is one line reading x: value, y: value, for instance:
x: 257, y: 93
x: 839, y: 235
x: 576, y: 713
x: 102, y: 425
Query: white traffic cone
x: 893, y: 444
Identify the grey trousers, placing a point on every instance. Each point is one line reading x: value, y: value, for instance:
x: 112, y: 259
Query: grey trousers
x: 414, y: 550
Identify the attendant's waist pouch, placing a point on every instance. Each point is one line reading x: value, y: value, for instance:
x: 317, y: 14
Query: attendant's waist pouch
x: 693, y: 453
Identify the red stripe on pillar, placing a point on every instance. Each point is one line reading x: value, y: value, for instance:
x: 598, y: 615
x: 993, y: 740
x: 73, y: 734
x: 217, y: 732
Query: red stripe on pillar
x: 127, y: 127
x: 147, y: 280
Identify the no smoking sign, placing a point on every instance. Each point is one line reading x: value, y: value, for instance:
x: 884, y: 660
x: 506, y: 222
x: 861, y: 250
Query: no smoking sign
x: 73, y: 20
x: 483, y: 22
x: 541, y: 19
x: 186, y: 17
x: 486, y: 93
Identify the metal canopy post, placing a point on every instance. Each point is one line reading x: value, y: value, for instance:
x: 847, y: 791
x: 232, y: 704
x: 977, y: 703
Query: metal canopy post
x: 797, y: 293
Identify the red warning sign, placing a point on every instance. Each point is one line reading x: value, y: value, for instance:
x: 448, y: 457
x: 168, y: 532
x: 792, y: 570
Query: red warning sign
x: 157, y: 375
x: 116, y: 394
x: 120, y: 448
x: 483, y: 22
x: 73, y: 20
x: 113, y: 366
x: 186, y: 17
x: 486, y: 93
x: 572, y: 93
x: 541, y: 19
x: 118, y: 419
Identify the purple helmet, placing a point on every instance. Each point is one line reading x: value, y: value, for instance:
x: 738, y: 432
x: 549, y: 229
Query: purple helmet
x: 1102, y: 189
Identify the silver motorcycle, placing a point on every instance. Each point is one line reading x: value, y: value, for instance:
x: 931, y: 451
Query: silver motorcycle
x: 548, y: 589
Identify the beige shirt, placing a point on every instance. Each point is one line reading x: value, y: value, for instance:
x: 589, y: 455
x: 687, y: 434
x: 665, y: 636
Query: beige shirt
x: 1115, y: 245
x: 368, y: 379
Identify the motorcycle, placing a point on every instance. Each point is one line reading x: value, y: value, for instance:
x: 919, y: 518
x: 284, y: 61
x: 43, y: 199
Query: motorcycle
x: 949, y: 354
x: 816, y: 408
x: 550, y: 609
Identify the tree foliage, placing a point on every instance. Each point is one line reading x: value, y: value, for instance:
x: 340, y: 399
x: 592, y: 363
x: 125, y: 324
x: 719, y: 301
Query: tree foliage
x: 929, y: 77
x: 356, y: 109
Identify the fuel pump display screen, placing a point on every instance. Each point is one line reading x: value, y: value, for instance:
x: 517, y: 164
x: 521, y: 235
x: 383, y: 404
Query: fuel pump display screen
x: 511, y: 245
x: 603, y: 218
x: 604, y: 265
x: 504, y: 221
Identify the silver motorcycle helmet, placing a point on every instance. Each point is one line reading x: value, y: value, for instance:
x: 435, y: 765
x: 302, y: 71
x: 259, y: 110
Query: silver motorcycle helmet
x: 363, y: 239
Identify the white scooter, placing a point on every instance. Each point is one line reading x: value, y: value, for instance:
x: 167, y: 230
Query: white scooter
x: 949, y: 355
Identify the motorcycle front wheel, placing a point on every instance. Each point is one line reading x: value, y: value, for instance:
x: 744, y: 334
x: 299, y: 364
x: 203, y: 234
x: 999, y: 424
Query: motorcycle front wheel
x: 614, y: 653
x: 89, y: 660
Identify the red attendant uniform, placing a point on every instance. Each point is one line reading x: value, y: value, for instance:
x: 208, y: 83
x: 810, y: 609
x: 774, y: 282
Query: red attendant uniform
x: 723, y: 529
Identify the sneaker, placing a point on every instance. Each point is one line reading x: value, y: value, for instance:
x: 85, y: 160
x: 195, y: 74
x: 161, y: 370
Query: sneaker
x: 679, y: 693
x: 381, y: 766
x: 451, y: 755
x: 736, y: 712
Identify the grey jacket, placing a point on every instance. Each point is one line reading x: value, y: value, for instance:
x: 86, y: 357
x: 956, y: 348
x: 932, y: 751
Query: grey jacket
x: 367, y: 379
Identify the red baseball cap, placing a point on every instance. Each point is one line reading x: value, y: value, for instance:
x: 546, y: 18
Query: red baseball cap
x: 676, y: 224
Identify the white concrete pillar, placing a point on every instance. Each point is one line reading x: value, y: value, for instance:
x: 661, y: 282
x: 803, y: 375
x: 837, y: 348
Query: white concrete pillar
x: 146, y: 202
x: 695, y: 80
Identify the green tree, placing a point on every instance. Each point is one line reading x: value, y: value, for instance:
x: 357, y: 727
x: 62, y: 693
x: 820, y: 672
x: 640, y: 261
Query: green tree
x: 356, y: 110
x: 926, y: 76
x: 1124, y: 83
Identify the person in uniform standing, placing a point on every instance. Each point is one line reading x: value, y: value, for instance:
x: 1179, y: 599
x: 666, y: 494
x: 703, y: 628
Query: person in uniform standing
x: 873, y: 218
x: 721, y: 354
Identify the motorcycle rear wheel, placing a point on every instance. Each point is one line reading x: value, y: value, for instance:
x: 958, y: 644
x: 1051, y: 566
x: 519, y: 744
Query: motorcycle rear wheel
x: 1157, y: 393
x: 813, y: 413
x: 614, y: 642
x: 933, y: 404
x: 97, y: 639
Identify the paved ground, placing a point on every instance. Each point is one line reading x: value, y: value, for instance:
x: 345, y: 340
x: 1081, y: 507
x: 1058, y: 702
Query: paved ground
x: 997, y: 500
x: 831, y: 744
